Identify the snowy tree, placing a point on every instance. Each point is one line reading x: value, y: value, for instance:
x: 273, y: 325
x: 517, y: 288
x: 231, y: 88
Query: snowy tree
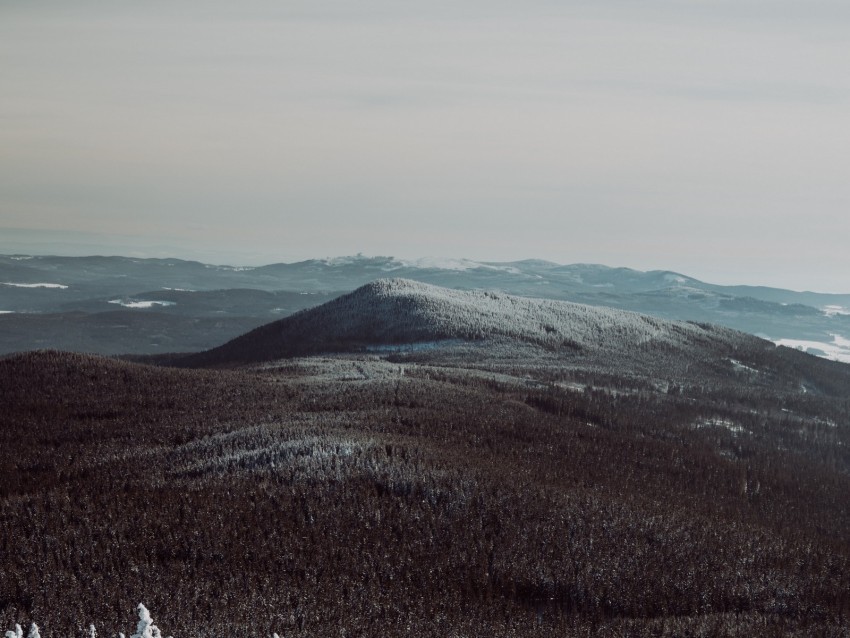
x: 33, y: 632
x: 146, y: 628
x: 18, y: 633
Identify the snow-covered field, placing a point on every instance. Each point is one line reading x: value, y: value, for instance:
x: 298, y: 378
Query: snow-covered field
x: 142, y: 304
x: 741, y: 367
x: 40, y: 285
x: 438, y: 263
x: 832, y: 311
x: 838, y: 350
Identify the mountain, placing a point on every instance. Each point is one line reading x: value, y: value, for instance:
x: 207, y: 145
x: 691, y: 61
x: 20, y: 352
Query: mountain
x: 86, y: 290
x: 390, y: 312
x: 407, y: 321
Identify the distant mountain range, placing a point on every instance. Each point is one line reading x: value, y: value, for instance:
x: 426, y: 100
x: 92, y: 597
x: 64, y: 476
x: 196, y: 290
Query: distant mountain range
x: 114, y: 305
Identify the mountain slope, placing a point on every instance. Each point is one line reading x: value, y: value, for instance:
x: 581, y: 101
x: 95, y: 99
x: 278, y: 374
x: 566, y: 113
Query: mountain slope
x: 399, y: 311
x: 316, y: 501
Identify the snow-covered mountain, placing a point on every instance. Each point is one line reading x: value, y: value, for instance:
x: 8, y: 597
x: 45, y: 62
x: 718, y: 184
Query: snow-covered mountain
x: 402, y: 311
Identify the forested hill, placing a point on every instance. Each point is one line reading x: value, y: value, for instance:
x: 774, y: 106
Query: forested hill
x: 400, y: 311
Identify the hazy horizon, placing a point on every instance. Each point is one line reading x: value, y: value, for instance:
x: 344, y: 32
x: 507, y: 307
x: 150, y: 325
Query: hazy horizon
x: 706, y: 138
x: 77, y: 244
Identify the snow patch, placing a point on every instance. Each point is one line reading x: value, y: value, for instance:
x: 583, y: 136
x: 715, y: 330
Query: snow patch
x: 838, y: 350
x: 459, y: 265
x: 832, y: 311
x: 7, y: 312
x: 141, y: 304
x: 572, y: 386
x: 42, y: 285
x: 840, y: 341
x: 740, y: 366
x: 719, y: 422
x: 341, y: 261
x: 179, y: 289
x: 229, y: 268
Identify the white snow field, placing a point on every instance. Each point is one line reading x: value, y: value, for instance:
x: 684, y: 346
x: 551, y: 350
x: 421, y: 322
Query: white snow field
x: 838, y: 350
x: 40, y: 285
x: 832, y: 311
x: 142, y: 304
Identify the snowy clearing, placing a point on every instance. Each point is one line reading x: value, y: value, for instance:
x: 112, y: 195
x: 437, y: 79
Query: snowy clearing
x: 438, y: 263
x: 740, y: 366
x: 41, y: 285
x: 831, y: 311
x: 838, y: 350
x: 229, y: 268
x: 719, y: 422
x: 142, y: 304
x: 7, y: 312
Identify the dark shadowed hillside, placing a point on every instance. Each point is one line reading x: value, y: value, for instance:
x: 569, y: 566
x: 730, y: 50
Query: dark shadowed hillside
x: 360, y: 496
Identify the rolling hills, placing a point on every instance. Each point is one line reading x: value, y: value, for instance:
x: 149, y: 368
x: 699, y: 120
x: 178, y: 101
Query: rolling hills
x: 411, y: 460
x: 194, y: 306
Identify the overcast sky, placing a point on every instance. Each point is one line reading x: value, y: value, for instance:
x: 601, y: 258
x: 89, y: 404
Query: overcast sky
x: 710, y: 137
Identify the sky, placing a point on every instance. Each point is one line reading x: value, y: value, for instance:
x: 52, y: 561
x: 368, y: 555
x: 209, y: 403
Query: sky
x: 709, y: 137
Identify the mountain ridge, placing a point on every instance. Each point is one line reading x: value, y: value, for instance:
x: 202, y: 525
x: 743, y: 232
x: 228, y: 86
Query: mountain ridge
x: 402, y: 311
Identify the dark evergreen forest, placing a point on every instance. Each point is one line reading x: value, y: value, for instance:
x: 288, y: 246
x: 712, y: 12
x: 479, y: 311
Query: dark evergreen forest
x: 429, y: 492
